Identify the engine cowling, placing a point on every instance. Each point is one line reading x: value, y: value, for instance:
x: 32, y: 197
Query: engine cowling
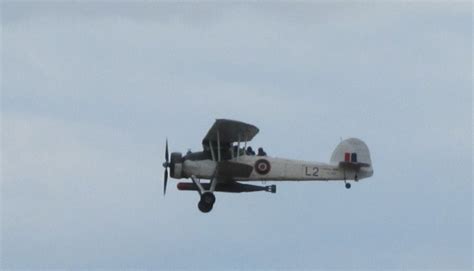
x: 176, y: 165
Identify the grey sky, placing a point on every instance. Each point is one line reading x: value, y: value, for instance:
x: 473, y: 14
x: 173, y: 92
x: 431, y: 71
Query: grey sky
x: 91, y: 91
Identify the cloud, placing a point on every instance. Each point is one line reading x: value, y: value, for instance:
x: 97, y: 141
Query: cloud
x: 90, y: 92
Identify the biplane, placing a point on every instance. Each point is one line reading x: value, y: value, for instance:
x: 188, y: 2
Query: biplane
x: 228, y: 163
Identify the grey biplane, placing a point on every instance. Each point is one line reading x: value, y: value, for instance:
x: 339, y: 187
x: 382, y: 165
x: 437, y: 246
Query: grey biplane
x: 228, y: 164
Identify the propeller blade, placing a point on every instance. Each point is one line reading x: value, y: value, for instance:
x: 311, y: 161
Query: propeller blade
x: 166, y: 165
x: 166, y: 152
x: 166, y: 181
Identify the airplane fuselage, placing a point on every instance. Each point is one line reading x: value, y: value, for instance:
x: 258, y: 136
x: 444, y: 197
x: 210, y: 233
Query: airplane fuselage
x: 277, y: 169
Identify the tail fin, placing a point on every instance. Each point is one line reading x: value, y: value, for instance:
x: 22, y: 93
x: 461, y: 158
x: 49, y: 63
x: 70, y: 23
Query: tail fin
x: 353, y: 153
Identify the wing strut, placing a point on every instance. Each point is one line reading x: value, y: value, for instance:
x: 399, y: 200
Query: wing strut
x: 214, y: 180
x: 238, y: 148
x: 212, y: 151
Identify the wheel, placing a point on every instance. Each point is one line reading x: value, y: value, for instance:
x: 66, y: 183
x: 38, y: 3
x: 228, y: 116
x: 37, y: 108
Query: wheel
x: 348, y: 185
x: 208, y: 198
x: 204, y: 207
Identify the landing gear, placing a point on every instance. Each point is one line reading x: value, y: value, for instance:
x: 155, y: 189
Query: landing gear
x: 208, y: 198
x: 207, y: 202
x: 204, y: 207
x: 348, y: 185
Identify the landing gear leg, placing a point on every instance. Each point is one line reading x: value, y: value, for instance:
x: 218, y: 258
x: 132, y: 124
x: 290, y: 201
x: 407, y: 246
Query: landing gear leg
x: 207, y: 196
x: 348, y: 185
x: 197, y: 182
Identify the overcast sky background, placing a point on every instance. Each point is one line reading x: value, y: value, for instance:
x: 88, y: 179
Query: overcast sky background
x: 91, y: 91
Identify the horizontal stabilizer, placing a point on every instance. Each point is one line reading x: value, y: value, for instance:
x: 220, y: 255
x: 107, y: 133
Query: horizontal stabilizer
x: 353, y: 165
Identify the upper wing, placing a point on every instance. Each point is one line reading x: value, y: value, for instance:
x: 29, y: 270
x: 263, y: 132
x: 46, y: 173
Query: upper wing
x: 230, y: 131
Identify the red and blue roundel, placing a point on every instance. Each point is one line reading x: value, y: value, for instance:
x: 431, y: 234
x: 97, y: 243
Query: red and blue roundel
x: 262, y: 166
x: 350, y: 157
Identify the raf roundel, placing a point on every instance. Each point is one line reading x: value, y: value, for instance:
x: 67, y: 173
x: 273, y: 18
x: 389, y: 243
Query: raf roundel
x: 262, y: 166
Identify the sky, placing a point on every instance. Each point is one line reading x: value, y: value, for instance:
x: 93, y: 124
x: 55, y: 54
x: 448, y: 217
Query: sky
x: 91, y: 90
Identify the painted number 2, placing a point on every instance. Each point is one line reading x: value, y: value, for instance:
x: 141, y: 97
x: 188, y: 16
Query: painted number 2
x: 311, y: 171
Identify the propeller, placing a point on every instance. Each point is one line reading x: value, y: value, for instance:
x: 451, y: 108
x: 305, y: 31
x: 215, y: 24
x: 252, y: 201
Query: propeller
x: 166, y: 165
